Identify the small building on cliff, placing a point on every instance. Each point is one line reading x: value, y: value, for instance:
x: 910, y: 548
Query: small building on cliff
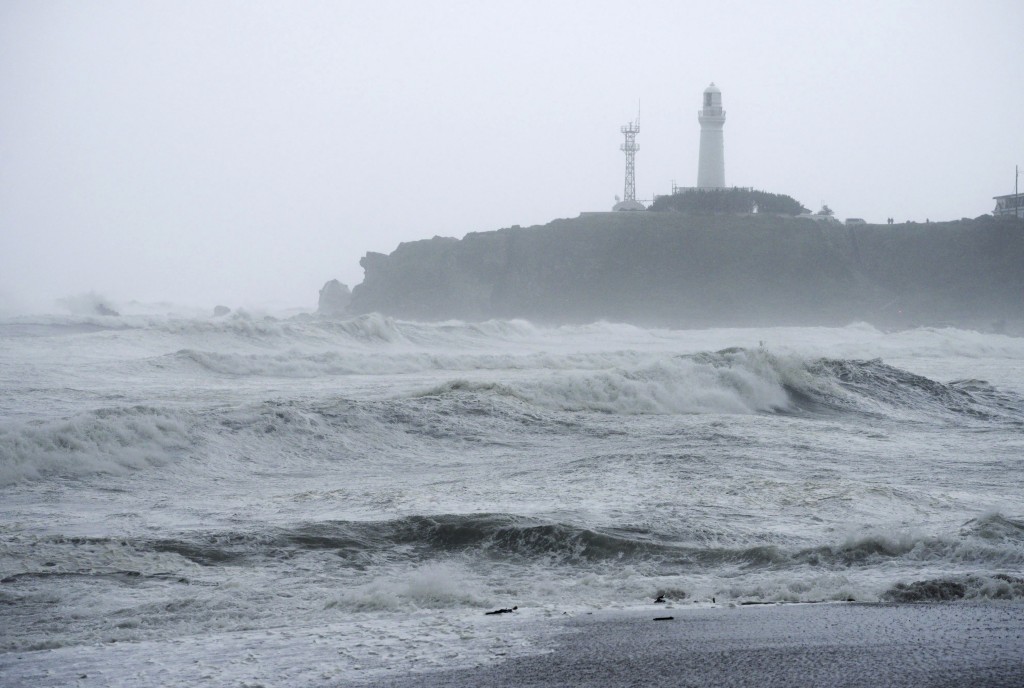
x: 1010, y: 204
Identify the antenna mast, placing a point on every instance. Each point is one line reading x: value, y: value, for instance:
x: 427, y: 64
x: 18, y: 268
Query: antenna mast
x: 630, y: 148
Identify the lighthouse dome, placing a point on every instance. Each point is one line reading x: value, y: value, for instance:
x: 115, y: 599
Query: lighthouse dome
x: 712, y: 88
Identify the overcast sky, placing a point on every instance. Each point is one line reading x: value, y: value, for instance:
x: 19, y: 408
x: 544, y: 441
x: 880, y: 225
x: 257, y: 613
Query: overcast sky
x: 245, y: 152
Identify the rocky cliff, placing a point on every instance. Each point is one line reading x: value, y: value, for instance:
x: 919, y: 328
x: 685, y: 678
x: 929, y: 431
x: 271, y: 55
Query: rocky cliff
x: 334, y: 299
x: 676, y: 269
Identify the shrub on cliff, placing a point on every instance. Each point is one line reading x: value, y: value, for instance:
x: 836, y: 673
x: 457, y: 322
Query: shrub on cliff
x: 733, y: 200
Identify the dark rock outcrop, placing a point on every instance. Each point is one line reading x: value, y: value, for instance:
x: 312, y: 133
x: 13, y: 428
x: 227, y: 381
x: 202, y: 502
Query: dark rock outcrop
x: 334, y: 299
x: 667, y: 268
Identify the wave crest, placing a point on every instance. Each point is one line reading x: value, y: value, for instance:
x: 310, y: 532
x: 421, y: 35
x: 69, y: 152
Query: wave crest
x: 999, y: 586
x: 750, y: 381
x: 113, y: 440
x: 737, y: 381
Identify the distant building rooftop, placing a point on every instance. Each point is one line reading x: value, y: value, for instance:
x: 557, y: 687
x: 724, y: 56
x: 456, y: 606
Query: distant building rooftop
x: 1010, y: 204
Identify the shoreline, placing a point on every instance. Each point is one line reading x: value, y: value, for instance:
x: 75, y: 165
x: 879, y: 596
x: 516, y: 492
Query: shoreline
x: 814, y: 644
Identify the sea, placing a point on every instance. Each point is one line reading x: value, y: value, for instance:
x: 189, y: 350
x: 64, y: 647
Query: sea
x: 259, y: 499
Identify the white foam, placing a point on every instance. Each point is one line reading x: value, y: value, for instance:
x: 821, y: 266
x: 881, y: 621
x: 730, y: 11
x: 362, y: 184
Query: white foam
x: 434, y: 585
x: 232, y: 430
x: 111, y: 441
x: 737, y: 382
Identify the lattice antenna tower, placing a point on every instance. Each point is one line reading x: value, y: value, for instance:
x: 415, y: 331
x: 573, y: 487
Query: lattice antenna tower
x: 630, y: 148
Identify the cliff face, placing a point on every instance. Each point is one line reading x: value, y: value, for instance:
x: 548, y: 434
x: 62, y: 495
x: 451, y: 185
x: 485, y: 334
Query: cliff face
x: 686, y: 270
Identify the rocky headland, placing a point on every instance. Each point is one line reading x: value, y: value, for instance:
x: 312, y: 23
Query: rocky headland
x: 684, y: 269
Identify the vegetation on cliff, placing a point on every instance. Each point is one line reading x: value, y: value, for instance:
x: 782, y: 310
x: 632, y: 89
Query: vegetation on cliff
x: 734, y: 200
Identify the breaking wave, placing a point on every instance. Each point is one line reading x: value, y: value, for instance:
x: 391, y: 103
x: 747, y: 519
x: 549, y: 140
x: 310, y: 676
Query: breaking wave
x: 733, y: 381
x: 736, y: 380
x: 110, y: 441
x: 997, y: 586
x: 453, y: 560
x: 366, y: 330
x: 875, y: 387
x: 507, y: 537
x: 752, y: 381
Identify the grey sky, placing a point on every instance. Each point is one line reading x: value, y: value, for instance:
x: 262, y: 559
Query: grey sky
x: 245, y: 152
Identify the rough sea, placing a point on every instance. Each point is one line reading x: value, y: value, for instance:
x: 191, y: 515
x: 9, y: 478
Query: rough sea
x: 253, y: 500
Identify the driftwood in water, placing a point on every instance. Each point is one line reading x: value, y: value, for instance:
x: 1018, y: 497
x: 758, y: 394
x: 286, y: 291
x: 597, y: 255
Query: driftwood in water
x: 502, y: 611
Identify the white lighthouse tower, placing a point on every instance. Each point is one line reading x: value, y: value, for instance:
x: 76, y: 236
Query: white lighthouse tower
x: 711, y: 169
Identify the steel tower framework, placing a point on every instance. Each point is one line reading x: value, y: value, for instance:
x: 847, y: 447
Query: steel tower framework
x: 630, y: 148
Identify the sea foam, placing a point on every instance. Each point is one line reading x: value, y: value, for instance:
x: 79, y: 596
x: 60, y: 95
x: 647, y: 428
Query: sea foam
x: 111, y: 440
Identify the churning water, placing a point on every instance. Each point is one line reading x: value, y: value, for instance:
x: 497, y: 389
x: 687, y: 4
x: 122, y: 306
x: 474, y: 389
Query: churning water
x: 188, y: 499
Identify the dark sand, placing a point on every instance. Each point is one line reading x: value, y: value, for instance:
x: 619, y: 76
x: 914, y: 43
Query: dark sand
x: 951, y: 644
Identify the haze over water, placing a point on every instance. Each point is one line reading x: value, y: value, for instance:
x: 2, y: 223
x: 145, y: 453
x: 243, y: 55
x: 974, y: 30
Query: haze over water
x: 211, y: 152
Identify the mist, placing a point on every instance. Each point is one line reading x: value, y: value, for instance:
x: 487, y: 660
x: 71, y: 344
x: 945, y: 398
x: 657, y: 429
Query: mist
x: 245, y: 153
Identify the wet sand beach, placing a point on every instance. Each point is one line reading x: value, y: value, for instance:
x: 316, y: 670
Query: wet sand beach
x: 962, y: 644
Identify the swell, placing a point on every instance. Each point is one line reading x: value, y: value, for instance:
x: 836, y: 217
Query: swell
x: 121, y: 439
x: 980, y: 560
x: 736, y: 381
x: 371, y: 329
x: 298, y: 364
x: 360, y: 543
x: 601, y: 367
x: 753, y: 381
x: 266, y: 435
x: 994, y: 542
x: 998, y: 586
x: 379, y: 333
x: 108, y: 441
x: 875, y: 387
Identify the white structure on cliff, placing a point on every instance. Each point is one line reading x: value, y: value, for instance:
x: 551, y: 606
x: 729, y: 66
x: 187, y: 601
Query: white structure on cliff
x: 1011, y: 204
x: 711, y: 168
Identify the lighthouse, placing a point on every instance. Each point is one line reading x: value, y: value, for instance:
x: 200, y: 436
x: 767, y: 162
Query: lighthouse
x: 711, y: 167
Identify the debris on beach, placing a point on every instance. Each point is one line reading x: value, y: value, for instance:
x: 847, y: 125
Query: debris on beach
x: 501, y: 611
